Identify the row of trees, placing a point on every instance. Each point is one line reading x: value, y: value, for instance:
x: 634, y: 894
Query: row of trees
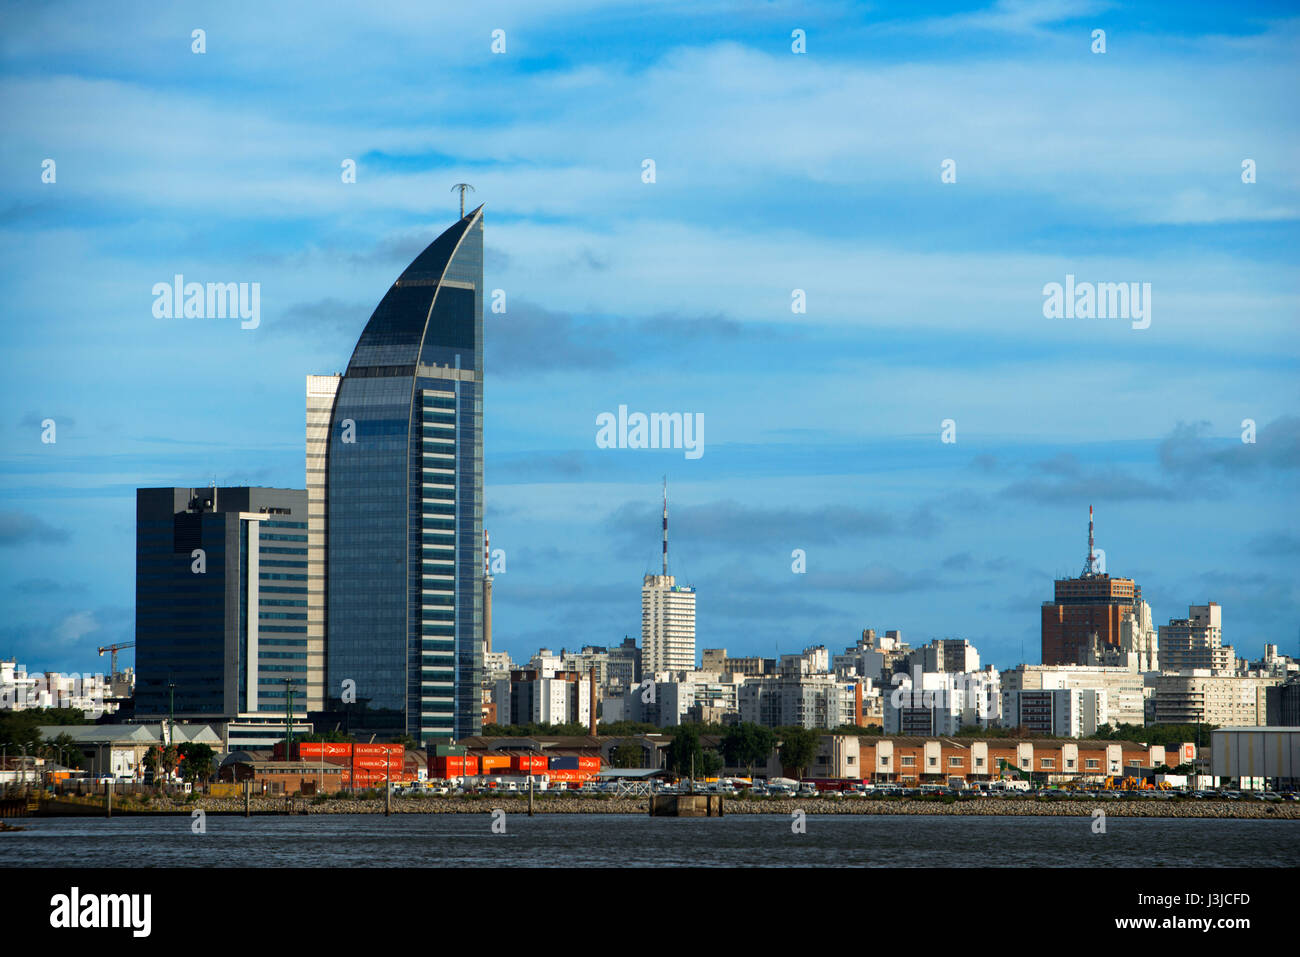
x: 197, y: 762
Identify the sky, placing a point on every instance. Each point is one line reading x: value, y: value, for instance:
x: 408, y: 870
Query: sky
x: 919, y: 173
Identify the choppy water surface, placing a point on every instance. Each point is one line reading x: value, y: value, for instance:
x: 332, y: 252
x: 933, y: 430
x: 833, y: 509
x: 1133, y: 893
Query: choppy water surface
x: 586, y: 840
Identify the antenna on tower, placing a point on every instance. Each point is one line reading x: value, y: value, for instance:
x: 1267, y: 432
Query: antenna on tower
x: 462, y: 187
x: 665, y: 525
x: 1090, y: 566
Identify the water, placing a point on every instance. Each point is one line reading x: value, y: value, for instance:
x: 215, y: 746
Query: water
x: 606, y: 840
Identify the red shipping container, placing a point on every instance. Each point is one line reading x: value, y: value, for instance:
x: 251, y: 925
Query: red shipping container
x: 589, y: 763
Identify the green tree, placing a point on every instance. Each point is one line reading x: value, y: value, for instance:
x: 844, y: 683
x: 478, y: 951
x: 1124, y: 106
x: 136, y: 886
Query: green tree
x: 747, y: 745
x: 169, y: 758
x: 626, y: 728
x: 62, y: 747
x: 19, y: 729
x: 798, y: 748
x: 629, y: 754
x: 710, y: 764
x: 152, y: 762
x: 199, y: 761
x: 684, y: 751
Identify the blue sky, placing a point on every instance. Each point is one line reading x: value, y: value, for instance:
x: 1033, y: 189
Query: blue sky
x: 775, y: 171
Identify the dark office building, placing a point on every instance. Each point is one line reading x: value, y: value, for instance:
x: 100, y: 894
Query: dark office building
x: 221, y: 600
x: 1282, y: 705
x: 401, y: 509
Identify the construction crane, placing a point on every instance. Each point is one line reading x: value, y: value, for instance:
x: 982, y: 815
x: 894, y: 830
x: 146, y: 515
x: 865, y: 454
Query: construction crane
x: 114, y: 650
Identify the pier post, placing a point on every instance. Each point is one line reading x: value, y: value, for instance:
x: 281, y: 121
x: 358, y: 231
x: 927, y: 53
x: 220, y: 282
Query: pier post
x: 108, y: 798
x: 248, y: 798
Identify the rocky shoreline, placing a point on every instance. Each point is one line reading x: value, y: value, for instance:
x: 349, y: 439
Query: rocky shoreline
x: 1002, y: 807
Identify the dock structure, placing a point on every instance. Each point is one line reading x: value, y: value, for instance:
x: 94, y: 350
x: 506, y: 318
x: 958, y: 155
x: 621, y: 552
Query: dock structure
x: 686, y: 805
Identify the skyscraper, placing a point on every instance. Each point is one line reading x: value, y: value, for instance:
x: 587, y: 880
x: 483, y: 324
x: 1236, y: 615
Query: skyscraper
x: 1094, y: 604
x: 400, y: 513
x: 221, y: 601
x: 667, y: 618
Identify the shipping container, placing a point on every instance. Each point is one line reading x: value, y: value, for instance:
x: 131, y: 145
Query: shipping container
x: 564, y: 763
x: 591, y: 763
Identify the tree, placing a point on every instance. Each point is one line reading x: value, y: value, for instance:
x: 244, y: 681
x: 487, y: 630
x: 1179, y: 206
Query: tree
x: 169, y: 758
x: 709, y: 764
x: 684, y: 753
x: 19, y: 729
x: 747, y: 745
x: 629, y: 754
x: 199, y: 761
x: 622, y: 728
x: 798, y: 748
x: 406, y: 741
x: 63, y: 747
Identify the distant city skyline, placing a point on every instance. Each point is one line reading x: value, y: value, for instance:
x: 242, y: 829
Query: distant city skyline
x: 776, y: 174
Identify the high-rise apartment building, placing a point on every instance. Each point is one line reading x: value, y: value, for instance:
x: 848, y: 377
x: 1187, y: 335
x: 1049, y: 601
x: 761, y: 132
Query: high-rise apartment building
x: 667, y: 625
x: 1094, y: 604
x: 321, y: 392
x: 399, y: 518
x: 221, y: 597
x: 1196, y: 642
x: 1203, y: 697
x: 667, y: 618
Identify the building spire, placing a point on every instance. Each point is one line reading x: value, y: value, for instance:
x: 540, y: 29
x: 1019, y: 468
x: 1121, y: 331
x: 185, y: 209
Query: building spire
x: 462, y: 187
x: 665, y: 524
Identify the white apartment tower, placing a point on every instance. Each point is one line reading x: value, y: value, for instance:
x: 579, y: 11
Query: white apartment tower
x: 667, y: 618
x: 321, y: 392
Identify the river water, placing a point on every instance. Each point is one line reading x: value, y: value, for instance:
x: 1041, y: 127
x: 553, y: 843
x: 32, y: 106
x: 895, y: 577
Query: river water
x: 589, y: 840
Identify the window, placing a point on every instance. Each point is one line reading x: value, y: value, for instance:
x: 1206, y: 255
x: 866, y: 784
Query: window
x: 954, y: 762
x: 1048, y: 763
x: 1092, y: 764
x: 907, y: 761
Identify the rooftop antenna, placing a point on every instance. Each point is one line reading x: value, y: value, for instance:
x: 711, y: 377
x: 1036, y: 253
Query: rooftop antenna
x: 462, y: 187
x: 665, y: 525
x: 1090, y: 566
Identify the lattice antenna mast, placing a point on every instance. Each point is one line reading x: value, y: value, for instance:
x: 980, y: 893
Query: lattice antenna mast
x: 1090, y: 566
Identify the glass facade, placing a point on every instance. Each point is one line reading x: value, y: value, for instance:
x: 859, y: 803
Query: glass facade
x: 404, y: 500
x: 205, y: 623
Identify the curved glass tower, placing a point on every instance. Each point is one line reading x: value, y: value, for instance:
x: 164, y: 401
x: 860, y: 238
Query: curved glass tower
x: 403, y: 501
